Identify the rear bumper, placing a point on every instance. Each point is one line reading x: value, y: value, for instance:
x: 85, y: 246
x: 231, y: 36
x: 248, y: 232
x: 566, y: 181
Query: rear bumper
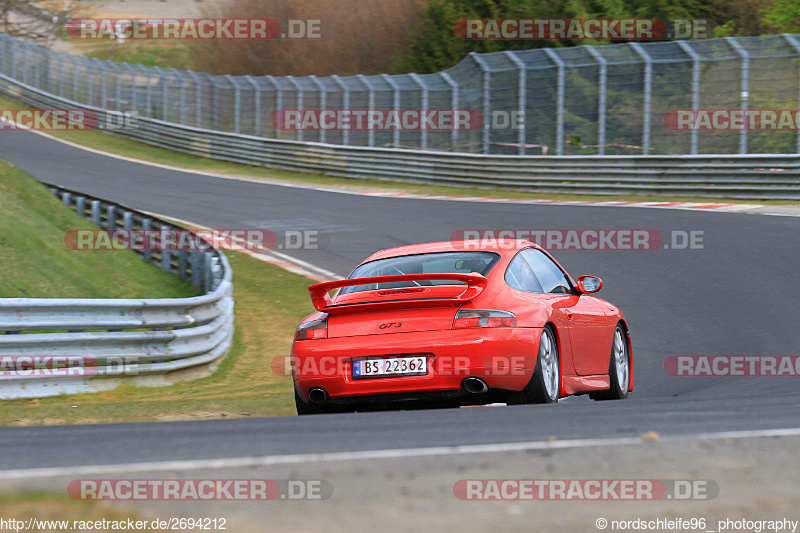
x: 503, y: 357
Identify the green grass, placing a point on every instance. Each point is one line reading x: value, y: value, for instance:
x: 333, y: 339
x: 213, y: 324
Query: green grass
x: 146, y: 153
x: 36, y: 263
x: 148, y: 53
x: 270, y: 302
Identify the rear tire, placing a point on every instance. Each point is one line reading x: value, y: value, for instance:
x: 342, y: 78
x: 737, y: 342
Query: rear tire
x: 619, y: 368
x: 545, y: 384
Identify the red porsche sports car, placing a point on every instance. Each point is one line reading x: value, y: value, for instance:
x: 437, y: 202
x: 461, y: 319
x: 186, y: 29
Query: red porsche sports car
x: 458, y: 323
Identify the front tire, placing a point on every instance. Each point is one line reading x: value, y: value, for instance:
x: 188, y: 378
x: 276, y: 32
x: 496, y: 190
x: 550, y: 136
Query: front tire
x: 545, y: 384
x: 619, y: 368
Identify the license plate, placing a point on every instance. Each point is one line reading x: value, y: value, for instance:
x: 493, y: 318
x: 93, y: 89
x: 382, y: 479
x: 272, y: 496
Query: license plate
x: 390, y: 366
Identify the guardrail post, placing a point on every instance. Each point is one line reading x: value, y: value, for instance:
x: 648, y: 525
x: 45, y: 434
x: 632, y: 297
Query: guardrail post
x: 648, y: 91
x: 454, y: 105
x: 323, y: 102
x: 256, y: 106
x: 166, y: 255
x: 424, y: 89
x: 182, y: 263
x: 395, y: 104
x: 695, y: 89
x: 745, y: 93
x: 80, y: 205
x: 796, y: 45
x: 96, y: 213
x: 111, y: 213
x: 207, y: 275
x: 487, y: 110
x: 127, y: 220
x: 522, y: 96
x: 147, y: 227
x: 560, y: 82
x: 66, y: 198
x: 345, y: 105
x: 299, y: 103
x: 370, y: 104
x: 601, y: 100
x: 195, y: 260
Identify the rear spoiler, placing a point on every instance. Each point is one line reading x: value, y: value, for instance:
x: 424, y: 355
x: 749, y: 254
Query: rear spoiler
x: 319, y: 292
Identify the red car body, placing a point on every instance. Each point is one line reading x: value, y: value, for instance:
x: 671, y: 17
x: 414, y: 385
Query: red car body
x: 417, y: 316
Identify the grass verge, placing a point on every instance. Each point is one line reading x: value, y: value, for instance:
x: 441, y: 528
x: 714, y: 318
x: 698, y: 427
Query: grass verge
x: 149, y: 154
x: 35, y: 263
x: 269, y: 304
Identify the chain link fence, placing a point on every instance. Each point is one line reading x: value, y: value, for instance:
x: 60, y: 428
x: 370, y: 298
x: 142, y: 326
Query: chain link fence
x: 586, y: 100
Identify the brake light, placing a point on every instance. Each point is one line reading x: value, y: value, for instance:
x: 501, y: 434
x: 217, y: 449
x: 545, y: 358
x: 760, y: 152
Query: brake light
x: 316, y: 329
x: 483, y: 318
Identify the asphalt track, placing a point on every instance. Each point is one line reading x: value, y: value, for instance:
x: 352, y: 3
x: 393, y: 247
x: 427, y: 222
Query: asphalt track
x: 737, y: 296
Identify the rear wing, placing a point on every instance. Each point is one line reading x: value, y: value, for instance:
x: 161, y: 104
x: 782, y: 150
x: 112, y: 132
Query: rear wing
x: 319, y: 292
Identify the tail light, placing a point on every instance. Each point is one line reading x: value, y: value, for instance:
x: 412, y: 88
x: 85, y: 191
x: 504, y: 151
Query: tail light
x: 484, y: 318
x: 316, y: 329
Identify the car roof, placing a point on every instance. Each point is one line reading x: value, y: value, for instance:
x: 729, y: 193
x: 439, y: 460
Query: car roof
x: 500, y: 246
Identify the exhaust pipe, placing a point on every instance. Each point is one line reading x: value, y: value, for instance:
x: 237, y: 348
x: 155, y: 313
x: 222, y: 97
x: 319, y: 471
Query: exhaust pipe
x: 317, y: 395
x: 474, y: 385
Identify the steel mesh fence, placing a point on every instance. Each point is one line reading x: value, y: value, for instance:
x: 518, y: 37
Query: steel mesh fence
x: 587, y: 100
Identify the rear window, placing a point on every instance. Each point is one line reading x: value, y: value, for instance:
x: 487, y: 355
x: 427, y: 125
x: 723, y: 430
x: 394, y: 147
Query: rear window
x: 435, y: 263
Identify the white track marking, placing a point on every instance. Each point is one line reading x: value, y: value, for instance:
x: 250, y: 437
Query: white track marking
x: 721, y: 207
x: 249, y: 462
x: 292, y: 264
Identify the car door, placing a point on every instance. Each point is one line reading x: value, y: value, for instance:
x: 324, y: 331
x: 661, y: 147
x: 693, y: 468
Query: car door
x: 586, y: 319
x: 519, y: 276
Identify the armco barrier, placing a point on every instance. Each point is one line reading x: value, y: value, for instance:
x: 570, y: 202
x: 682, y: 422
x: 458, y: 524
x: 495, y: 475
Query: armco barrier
x: 122, y: 338
x: 749, y: 176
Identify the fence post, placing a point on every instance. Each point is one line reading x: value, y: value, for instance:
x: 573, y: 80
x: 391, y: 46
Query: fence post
x: 323, y: 102
x: 148, y: 91
x: 164, y: 92
x: 424, y: 88
x: 237, y: 104
x: 745, y: 94
x: 278, y: 102
x: 454, y: 104
x: 796, y: 45
x: 521, y: 90
x: 648, y: 90
x: 178, y: 75
x: 299, y: 102
x: 256, y: 106
x: 695, y: 89
x: 487, y: 110
x: 396, y: 105
x: 198, y: 98
x: 601, y: 100
x: 132, y: 74
x: 559, y: 99
x: 370, y: 105
x: 103, y: 85
x: 345, y: 105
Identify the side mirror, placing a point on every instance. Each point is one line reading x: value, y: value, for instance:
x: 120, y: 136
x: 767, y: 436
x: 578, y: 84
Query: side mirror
x: 589, y: 284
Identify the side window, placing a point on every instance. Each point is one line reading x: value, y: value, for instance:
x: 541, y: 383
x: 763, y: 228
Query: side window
x: 547, y: 272
x: 520, y: 277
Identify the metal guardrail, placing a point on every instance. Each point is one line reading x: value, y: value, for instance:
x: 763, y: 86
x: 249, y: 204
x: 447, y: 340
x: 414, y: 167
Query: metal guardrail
x: 749, y: 176
x: 121, y: 337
